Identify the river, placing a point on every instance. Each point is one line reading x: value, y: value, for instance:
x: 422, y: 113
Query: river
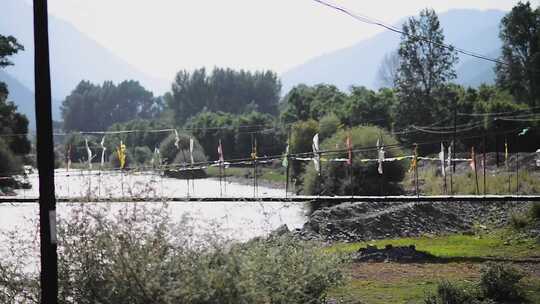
x: 238, y: 221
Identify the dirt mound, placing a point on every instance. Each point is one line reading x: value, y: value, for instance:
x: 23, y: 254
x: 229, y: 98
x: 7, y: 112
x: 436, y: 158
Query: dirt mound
x: 362, y: 221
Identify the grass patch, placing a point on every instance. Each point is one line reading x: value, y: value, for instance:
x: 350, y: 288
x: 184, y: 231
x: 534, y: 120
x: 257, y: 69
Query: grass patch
x: 265, y: 174
x: 465, y: 183
x: 501, y: 243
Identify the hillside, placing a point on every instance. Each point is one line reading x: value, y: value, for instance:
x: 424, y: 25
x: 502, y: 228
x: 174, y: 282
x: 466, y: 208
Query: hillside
x: 74, y: 57
x: 359, y: 63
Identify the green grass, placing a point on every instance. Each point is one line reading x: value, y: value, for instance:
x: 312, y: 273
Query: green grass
x: 266, y: 174
x: 501, y: 243
x: 461, y: 250
x: 465, y: 183
x: 372, y: 292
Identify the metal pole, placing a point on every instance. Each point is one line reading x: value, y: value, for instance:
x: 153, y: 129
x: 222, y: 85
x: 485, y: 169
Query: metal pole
x: 288, y: 162
x: 45, y: 157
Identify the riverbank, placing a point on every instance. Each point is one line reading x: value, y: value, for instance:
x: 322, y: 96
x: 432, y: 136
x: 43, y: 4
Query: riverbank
x: 266, y: 177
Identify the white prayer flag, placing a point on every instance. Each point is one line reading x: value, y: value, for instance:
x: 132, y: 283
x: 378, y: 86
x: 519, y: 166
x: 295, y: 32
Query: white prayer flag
x: 89, y: 152
x: 380, y: 159
x: 316, y: 156
x: 441, y: 157
x: 176, y: 139
x: 103, y: 149
x: 191, y: 144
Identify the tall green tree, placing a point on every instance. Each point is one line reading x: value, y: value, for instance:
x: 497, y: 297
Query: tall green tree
x: 12, y: 123
x: 93, y: 107
x: 224, y: 90
x: 520, y: 70
x: 425, y: 67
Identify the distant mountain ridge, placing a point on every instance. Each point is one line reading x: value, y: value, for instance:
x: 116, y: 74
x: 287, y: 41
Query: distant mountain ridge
x: 74, y: 57
x: 359, y: 63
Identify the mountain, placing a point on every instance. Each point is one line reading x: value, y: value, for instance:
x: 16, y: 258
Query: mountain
x: 359, y: 63
x: 74, y: 56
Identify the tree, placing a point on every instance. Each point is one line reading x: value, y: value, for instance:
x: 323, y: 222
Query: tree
x: 224, y: 90
x: 364, y: 106
x: 304, y: 102
x: 387, y: 73
x: 93, y: 107
x: 12, y: 123
x: 519, y: 71
x: 425, y: 67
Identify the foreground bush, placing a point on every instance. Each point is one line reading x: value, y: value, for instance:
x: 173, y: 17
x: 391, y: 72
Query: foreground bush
x: 139, y: 256
x: 499, y: 283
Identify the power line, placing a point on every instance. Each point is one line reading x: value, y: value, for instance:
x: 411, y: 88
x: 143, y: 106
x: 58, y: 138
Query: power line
x: 373, y: 21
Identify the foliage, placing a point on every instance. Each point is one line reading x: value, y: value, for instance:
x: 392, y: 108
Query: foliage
x: 500, y: 282
x: 535, y: 211
x: 518, y: 220
x: 223, y: 90
x: 92, y: 107
x: 139, y: 256
x: 237, y: 133
x: 302, y: 133
x: 143, y: 137
x: 520, y: 59
x: 329, y: 125
x: 11, y: 122
x: 171, y: 154
x: 449, y: 293
x: 425, y: 67
x: 334, y: 178
x: 9, y: 46
x: 9, y: 163
x: 303, y: 102
x: 365, y: 106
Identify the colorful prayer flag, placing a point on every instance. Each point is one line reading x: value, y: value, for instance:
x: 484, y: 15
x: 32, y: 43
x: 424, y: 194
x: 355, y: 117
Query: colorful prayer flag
x: 254, y: 150
x: 121, y: 153
x: 473, y: 159
x: 176, y: 139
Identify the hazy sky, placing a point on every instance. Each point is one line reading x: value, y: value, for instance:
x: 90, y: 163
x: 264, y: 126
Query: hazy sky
x: 162, y: 36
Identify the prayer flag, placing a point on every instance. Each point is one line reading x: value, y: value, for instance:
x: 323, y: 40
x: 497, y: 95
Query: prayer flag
x: 414, y: 160
x: 89, y: 153
x: 220, y: 151
x: 441, y: 157
x: 506, y: 153
x: 103, y: 149
x: 285, y: 162
x: 191, y: 146
x: 121, y: 153
x: 380, y: 158
x: 449, y: 159
x: 176, y: 139
x: 316, y: 156
x: 68, y: 158
x: 473, y: 159
x: 254, y: 150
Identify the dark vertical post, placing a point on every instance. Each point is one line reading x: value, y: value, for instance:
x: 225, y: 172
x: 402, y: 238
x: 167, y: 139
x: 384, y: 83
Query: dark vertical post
x: 416, y: 170
x: 288, y: 162
x: 45, y: 156
x: 475, y: 171
x: 497, y: 142
x: 484, y: 164
x: 454, y: 135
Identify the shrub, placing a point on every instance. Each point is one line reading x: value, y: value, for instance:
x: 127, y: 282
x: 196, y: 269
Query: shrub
x: 329, y: 125
x: 518, y: 220
x: 449, y: 293
x: 139, y: 256
x: 334, y: 178
x: 171, y: 154
x: 535, y: 211
x: 9, y: 163
x: 500, y: 282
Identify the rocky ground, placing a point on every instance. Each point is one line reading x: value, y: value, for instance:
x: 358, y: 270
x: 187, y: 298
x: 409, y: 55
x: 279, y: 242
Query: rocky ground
x: 363, y: 221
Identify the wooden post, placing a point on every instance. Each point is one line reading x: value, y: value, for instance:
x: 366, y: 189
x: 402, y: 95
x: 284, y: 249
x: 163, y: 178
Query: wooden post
x: 484, y: 164
x: 288, y: 162
x: 416, y: 169
x: 475, y: 171
x: 45, y: 157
